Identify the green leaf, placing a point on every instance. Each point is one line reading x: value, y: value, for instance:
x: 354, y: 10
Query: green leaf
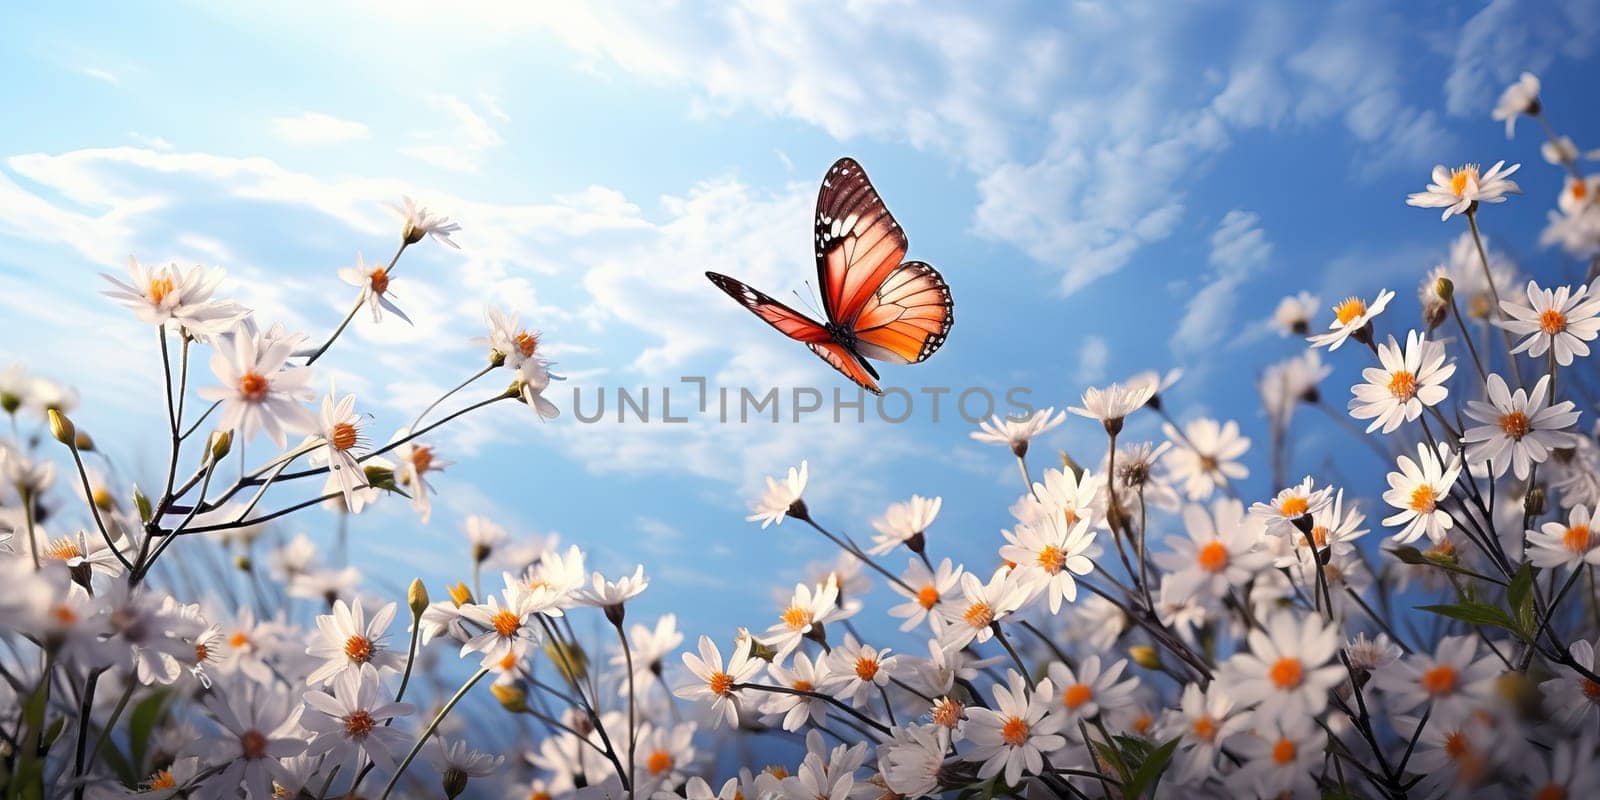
x: 1149, y: 772
x: 141, y: 722
x: 1520, y: 595
x: 1475, y: 614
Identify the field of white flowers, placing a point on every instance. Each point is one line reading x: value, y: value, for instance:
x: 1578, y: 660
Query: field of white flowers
x: 1143, y: 630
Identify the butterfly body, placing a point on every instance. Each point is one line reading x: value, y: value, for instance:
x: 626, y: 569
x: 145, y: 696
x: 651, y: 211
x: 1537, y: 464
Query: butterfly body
x: 875, y: 306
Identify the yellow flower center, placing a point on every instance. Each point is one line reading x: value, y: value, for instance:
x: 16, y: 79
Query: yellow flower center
x: 1070, y: 516
x: 1514, y: 424
x: 527, y: 343
x: 1576, y: 538
x: 1294, y: 506
x: 1283, y: 752
x: 1076, y: 695
x: 928, y: 597
x: 1287, y: 673
x: 1014, y: 732
x: 160, y: 287
x: 358, y: 649
x: 797, y: 618
x: 804, y: 685
x: 1455, y: 745
x: 63, y: 549
x: 506, y: 623
x: 866, y: 668
x: 379, y: 280
x: 1460, y: 177
x: 161, y: 780
x: 720, y: 683
x: 63, y: 615
x: 359, y: 724
x: 1051, y: 559
x: 1204, y: 728
x: 1352, y: 308
x: 947, y: 712
x: 253, y: 387
x: 1439, y: 681
x: 979, y: 615
x: 239, y: 640
x: 1212, y: 557
x: 1403, y: 385
x: 1423, y: 500
x: 660, y: 761
x: 343, y: 436
x: 1552, y: 321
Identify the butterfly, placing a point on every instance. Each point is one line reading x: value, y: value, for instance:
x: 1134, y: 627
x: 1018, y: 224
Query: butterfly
x: 876, y: 306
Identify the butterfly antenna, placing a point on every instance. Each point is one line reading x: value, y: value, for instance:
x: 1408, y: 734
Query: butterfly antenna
x: 807, y: 300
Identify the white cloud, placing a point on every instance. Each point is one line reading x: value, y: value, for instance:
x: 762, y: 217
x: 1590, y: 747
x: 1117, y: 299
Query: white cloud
x: 1239, y: 249
x: 1508, y: 37
x: 460, y: 148
x: 1094, y: 355
x: 102, y: 75
x: 317, y: 128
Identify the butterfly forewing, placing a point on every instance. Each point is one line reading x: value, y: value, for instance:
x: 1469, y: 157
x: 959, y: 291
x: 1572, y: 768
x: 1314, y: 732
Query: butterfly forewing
x: 858, y: 241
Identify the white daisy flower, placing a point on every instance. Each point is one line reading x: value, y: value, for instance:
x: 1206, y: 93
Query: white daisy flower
x: 924, y: 591
x: 1205, y: 455
x: 1519, y: 428
x: 1286, y: 384
x: 1560, y: 320
x: 350, y: 720
x: 795, y: 710
x: 810, y: 610
x: 457, y: 762
x: 508, y: 340
x: 781, y: 498
x: 611, y: 595
x: 258, y: 729
x: 1286, y: 673
x: 1016, y: 433
x: 1571, y: 696
x: 910, y: 761
x: 1458, y: 190
x: 1453, y: 680
x: 904, y: 523
x: 664, y: 754
x: 1293, y: 315
x: 259, y: 390
x: 1014, y: 736
x: 714, y: 683
x: 171, y: 293
x: 1570, y: 544
x: 418, y: 222
x: 346, y: 640
x: 1333, y: 528
x: 1048, y: 553
x: 1561, y: 150
x: 1202, y: 722
x: 1410, y: 380
x: 533, y: 378
x: 508, y: 629
x: 1282, y: 758
x: 416, y: 461
x: 1222, y: 552
x: 1371, y: 654
x: 970, y: 617
x: 1073, y: 496
x: 1519, y: 98
x: 1291, y: 504
x: 1111, y: 404
x: 1087, y: 691
x: 1350, y: 317
x: 857, y: 671
x: 339, y: 428
x: 374, y: 283
x: 1418, y: 490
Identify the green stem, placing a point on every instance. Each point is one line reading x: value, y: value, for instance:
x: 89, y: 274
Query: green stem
x: 428, y: 731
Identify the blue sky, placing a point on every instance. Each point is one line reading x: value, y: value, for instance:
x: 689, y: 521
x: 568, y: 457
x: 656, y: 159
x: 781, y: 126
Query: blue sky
x: 1107, y: 187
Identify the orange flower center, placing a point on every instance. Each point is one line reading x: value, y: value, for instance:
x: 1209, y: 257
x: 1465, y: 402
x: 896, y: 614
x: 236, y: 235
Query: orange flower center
x: 947, y: 712
x: 343, y: 436
x: 804, y: 685
x: 202, y: 654
x: 253, y: 387
x: 1460, y: 177
x: 660, y: 761
x: 1552, y: 321
x: 252, y: 744
x: 161, y: 780
x: 63, y: 549
x: 1576, y: 538
x: 1294, y: 506
x: 928, y: 597
x: 1591, y: 690
x: 1455, y: 745
x: 979, y: 615
x: 1070, y: 516
x: 239, y: 640
x: 1423, y: 500
x: 1142, y: 723
x: 1514, y: 424
x: 1212, y: 557
x: 1439, y: 681
x: 1403, y: 385
x: 1076, y: 695
x: 866, y: 668
x: 379, y: 280
x: 720, y: 683
x: 421, y: 458
x: 1352, y: 308
x: 358, y: 649
x: 1283, y: 752
x: 1551, y: 791
x: 1051, y: 559
x: 797, y: 618
x: 506, y: 623
x: 1204, y: 728
x: 1319, y: 535
x: 1578, y: 188
x: 160, y: 287
x: 1287, y: 673
x: 63, y: 615
x: 359, y: 724
x: 1014, y: 732
x: 527, y: 343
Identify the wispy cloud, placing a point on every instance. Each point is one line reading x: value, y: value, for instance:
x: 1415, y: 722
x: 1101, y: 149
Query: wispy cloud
x: 461, y: 147
x: 317, y: 128
x: 1239, y: 250
x: 102, y: 75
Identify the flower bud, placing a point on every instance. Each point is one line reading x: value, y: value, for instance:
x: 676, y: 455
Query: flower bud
x: 417, y: 598
x: 569, y: 660
x: 103, y: 499
x: 1444, y: 288
x: 243, y: 563
x: 85, y: 442
x: 62, y: 428
x: 460, y: 594
x: 221, y: 443
x: 511, y: 697
x: 1533, y: 504
x: 411, y: 234
x: 1145, y: 656
x: 142, y: 503
x: 10, y: 402
x: 379, y: 477
x: 454, y: 782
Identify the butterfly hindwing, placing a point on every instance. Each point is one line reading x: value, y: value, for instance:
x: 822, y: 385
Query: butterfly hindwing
x: 908, y: 317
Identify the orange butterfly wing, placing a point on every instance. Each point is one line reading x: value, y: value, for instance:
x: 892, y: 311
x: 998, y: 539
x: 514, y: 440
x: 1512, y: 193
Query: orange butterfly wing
x: 900, y: 312
x: 800, y: 328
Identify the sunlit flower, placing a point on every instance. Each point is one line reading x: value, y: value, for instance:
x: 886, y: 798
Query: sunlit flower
x: 1459, y: 190
x: 1049, y: 553
x: 1286, y: 673
x: 258, y: 730
x: 1014, y: 736
x: 1560, y: 320
x: 782, y: 499
x: 352, y: 719
x: 1205, y: 455
x: 507, y: 629
x: 858, y: 671
x: 1282, y: 758
x: 416, y: 460
x: 1066, y: 493
x: 1110, y: 405
x: 1202, y: 722
x: 172, y: 293
x: 1291, y: 504
x: 1410, y: 380
x: 346, y: 640
x: 259, y: 390
x: 1452, y: 681
x: 904, y: 523
x: 664, y: 755
x: 533, y: 378
x: 795, y: 710
x: 1570, y: 544
x: 1222, y: 552
x: 1087, y: 691
x: 911, y: 760
x: 508, y: 340
x: 608, y: 594
x: 925, y: 591
x: 1519, y: 98
x: 418, y: 222
x: 1334, y: 528
x: 1350, y: 317
x: 1016, y: 433
x: 716, y: 684
x: 971, y: 617
x: 338, y: 426
x: 458, y: 757
x: 807, y: 613
x: 1419, y: 490
x: 374, y: 283
x: 1519, y: 429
